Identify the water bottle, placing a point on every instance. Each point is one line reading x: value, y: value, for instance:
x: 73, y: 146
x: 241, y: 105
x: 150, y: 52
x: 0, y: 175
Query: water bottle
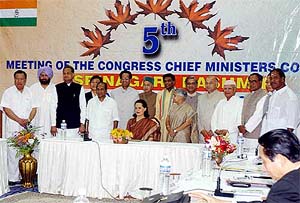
x: 164, y: 175
x: 81, y: 198
x: 63, y: 127
x: 206, y: 162
x: 240, y: 146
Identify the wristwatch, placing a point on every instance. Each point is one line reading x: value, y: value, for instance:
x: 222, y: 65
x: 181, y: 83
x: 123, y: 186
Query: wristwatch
x: 175, y: 131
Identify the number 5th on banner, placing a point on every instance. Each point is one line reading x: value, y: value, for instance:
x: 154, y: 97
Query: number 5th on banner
x: 151, y: 40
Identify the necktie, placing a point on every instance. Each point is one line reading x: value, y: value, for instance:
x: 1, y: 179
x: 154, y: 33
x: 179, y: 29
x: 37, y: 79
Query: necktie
x: 266, y: 106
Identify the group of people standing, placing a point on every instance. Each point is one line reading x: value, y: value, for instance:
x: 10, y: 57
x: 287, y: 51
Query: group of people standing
x: 170, y: 115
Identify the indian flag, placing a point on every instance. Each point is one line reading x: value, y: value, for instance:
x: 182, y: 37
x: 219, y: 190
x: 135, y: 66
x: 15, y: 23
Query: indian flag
x: 18, y: 12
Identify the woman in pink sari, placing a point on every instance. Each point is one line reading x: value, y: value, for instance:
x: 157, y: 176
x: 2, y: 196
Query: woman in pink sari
x: 141, y: 126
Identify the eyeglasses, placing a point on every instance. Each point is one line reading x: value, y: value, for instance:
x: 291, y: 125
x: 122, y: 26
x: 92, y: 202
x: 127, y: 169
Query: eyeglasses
x: 190, y: 83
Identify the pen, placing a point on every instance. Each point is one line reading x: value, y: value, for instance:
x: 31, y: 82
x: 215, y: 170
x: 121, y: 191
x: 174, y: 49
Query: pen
x: 262, y: 177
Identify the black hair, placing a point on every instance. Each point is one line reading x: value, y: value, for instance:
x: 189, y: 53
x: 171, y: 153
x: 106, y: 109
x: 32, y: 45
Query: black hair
x: 103, y: 83
x: 96, y: 77
x: 280, y: 141
x: 20, y: 72
x: 190, y: 77
x: 70, y: 67
x: 279, y: 71
x: 144, y: 104
x: 169, y: 75
x: 259, y: 76
x: 125, y: 71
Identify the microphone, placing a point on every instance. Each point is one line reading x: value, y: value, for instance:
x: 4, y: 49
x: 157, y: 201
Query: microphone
x: 218, y: 190
x: 86, y: 134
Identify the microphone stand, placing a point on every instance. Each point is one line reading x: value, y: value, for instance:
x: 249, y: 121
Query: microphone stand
x: 86, y: 134
x: 218, y: 190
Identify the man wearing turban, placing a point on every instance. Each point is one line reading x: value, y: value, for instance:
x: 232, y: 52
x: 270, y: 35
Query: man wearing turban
x: 45, y: 93
x: 148, y: 95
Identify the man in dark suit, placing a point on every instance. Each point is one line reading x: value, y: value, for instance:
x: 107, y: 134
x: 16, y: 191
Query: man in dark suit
x: 280, y: 152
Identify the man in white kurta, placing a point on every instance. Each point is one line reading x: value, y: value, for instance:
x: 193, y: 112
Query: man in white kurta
x: 102, y: 114
x: 283, y: 107
x: 46, y: 112
x: 125, y: 97
x: 19, y: 106
x: 227, y: 115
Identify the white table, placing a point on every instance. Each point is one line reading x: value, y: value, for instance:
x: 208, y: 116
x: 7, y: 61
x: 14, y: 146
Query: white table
x: 3, y: 167
x: 66, y: 166
x: 244, y: 169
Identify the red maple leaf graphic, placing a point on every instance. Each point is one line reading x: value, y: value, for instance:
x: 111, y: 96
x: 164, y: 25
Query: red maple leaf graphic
x: 159, y: 8
x: 222, y: 43
x: 122, y: 17
x: 97, y: 41
x: 196, y: 17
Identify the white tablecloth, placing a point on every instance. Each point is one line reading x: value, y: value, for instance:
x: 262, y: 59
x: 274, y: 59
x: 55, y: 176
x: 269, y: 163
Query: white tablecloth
x: 66, y: 166
x: 245, y: 169
x: 3, y: 167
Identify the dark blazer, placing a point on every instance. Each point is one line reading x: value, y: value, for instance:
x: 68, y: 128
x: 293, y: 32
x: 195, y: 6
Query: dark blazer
x: 88, y: 96
x: 285, y: 190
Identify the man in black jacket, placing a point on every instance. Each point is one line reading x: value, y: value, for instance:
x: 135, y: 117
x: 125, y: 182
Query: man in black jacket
x: 71, y: 105
x: 280, y: 152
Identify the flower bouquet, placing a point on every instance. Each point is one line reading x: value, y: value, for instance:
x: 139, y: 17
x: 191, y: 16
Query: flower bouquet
x: 24, y: 141
x: 121, y: 136
x: 220, y: 146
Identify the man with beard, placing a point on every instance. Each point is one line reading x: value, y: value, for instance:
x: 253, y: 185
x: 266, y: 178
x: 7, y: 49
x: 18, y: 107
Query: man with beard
x: 45, y: 93
x: 164, y: 100
x: 20, y: 108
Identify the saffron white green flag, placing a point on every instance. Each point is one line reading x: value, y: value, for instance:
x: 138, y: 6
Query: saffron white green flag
x: 18, y: 13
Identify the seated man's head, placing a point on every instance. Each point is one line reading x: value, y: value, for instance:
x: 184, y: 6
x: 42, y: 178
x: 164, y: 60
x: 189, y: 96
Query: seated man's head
x: 280, y: 152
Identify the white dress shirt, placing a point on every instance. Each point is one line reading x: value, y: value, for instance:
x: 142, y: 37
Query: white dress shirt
x: 283, y: 112
x: 101, y: 116
x: 46, y: 111
x: 82, y: 105
x: 125, y: 100
x: 227, y: 115
x: 21, y: 103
